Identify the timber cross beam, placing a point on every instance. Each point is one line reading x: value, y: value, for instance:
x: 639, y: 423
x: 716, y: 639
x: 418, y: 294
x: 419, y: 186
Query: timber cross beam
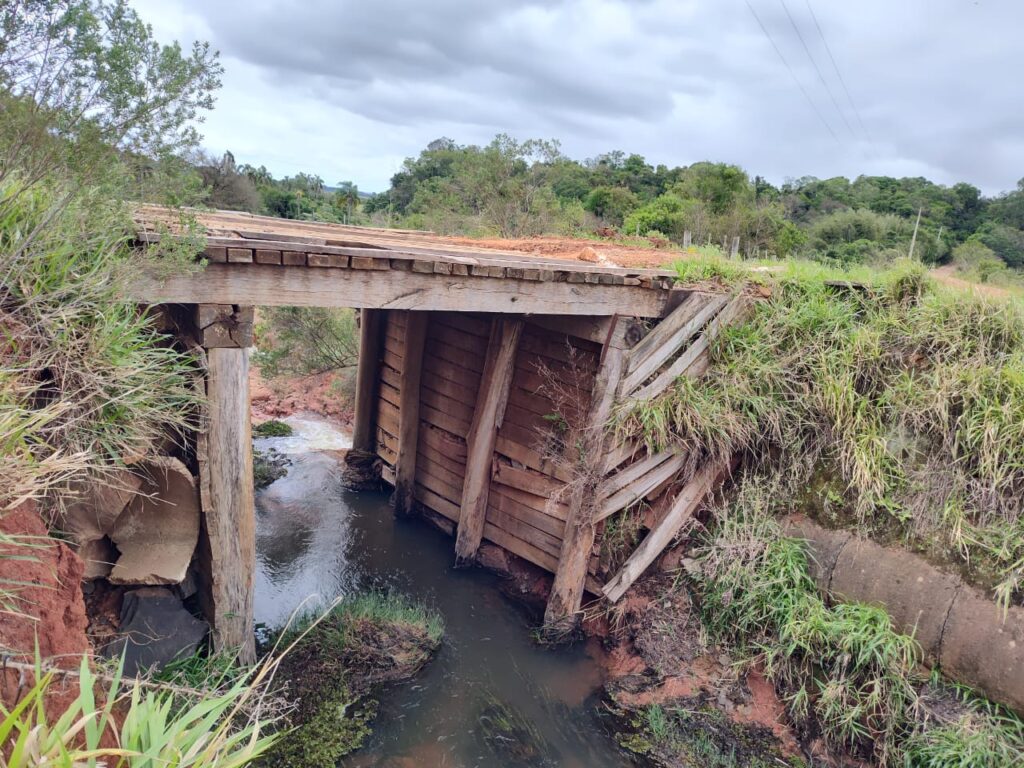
x: 263, y: 261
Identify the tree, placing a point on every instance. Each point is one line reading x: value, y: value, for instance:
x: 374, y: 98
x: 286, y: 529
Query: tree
x: 88, y: 74
x: 347, y: 194
x: 227, y: 188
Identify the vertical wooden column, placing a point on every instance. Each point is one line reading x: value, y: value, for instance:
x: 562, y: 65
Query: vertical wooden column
x: 561, y: 614
x: 363, y: 438
x: 409, y: 411
x: 225, y: 460
x: 483, y: 432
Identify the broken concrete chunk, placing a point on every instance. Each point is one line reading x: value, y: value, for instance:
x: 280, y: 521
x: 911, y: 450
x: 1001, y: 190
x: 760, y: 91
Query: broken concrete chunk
x: 90, y: 519
x: 158, y: 530
x: 155, y: 630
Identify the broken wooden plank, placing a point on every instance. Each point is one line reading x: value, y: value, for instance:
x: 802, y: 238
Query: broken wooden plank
x: 699, y: 347
x: 665, y: 530
x: 648, y: 483
x: 409, y: 411
x: 665, y: 340
x: 483, y: 432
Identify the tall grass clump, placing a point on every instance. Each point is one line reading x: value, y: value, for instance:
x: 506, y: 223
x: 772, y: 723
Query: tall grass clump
x: 842, y: 668
x: 138, y: 725
x: 86, y: 382
x: 903, y: 404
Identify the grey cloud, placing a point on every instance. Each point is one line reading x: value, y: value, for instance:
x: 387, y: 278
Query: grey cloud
x: 935, y: 81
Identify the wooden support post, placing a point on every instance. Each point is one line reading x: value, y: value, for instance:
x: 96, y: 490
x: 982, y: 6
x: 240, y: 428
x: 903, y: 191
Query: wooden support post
x: 229, y: 519
x: 362, y: 469
x: 409, y: 411
x: 366, y: 379
x: 491, y: 400
x: 561, y: 614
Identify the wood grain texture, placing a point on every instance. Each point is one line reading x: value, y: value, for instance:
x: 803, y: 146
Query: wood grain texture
x: 483, y: 432
x: 409, y: 411
x: 578, y: 540
x: 229, y: 516
x: 269, y: 285
x: 370, y: 325
x: 682, y: 509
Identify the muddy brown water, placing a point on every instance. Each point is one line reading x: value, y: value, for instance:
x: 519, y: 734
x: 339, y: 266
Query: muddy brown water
x: 491, y: 696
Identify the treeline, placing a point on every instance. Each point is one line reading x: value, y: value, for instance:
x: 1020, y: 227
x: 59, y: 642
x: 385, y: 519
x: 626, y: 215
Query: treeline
x: 513, y: 189
x: 302, y: 196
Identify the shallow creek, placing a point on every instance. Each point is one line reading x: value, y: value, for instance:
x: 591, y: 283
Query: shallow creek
x: 314, y: 538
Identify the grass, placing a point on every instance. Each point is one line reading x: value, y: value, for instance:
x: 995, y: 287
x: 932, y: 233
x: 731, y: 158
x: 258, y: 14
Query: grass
x: 137, y: 725
x: 272, y: 428
x: 843, y: 668
x: 338, y: 658
x: 698, y: 735
x: 907, y: 397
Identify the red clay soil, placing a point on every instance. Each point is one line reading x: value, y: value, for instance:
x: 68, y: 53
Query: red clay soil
x: 284, y: 396
x: 607, y: 252
x: 48, y: 593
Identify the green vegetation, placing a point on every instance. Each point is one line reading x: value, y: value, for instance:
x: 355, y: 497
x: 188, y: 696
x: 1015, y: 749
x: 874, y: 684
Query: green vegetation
x: 134, y: 726
x: 338, y: 659
x: 306, y: 340
x: 900, y: 405
x: 272, y: 428
x: 690, y: 733
x: 843, y: 668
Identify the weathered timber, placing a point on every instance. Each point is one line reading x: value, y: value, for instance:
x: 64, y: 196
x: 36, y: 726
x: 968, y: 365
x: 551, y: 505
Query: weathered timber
x: 268, y: 285
x: 665, y: 530
x: 660, y: 475
x: 409, y: 411
x: 691, y: 362
x: 635, y: 471
x: 483, y: 432
x: 593, y: 329
x: 229, y: 519
x: 366, y: 378
x: 667, y: 338
x: 561, y: 614
x: 224, y: 325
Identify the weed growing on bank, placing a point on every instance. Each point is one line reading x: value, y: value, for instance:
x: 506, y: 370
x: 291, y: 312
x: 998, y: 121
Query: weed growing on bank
x: 902, y: 402
x: 843, y: 668
x: 338, y: 659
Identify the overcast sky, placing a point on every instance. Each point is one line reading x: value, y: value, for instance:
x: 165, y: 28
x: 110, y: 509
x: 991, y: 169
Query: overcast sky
x: 348, y: 89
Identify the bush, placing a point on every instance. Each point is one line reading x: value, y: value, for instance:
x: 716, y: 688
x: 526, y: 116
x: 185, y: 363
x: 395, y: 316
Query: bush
x: 306, y: 340
x: 976, y: 259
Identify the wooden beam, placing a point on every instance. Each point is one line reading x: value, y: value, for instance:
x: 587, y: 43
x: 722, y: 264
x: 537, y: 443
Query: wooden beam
x: 269, y: 285
x: 363, y: 428
x: 667, y: 338
x: 665, y: 530
x: 409, y: 411
x: 690, y: 362
x: 561, y: 614
x: 483, y: 432
x: 229, y: 517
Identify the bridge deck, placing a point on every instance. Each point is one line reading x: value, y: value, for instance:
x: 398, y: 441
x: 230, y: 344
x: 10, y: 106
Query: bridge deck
x: 267, y: 261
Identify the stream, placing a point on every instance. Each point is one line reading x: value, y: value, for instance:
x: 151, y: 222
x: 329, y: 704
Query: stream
x: 316, y: 540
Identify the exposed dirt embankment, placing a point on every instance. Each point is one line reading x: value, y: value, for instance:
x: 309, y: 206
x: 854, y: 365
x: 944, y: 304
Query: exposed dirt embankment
x: 44, y: 579
x: 287, y: 395
x: 607, y: 252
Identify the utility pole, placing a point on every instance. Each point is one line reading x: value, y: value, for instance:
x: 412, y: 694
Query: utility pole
x: 913, y: 239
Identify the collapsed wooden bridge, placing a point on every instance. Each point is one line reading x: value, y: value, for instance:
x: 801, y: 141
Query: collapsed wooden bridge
x: 485, y: 384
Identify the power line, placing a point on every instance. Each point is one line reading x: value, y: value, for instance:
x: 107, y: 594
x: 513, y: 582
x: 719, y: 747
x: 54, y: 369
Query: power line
x: 803, y: 90
x: 817, y: 69
x: 839, y: 74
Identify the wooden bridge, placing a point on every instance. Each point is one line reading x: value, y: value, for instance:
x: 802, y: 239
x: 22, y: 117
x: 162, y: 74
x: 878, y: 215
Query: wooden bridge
x: 485, y: 383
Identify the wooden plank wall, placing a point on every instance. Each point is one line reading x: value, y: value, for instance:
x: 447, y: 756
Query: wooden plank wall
x: 524, y: 514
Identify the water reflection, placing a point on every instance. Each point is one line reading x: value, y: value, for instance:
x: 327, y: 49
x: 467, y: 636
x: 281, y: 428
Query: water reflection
x: 491, y: 697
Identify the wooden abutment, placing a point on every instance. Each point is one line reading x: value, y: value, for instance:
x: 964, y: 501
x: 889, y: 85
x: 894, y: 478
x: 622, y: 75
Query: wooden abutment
x: 485, y: 386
